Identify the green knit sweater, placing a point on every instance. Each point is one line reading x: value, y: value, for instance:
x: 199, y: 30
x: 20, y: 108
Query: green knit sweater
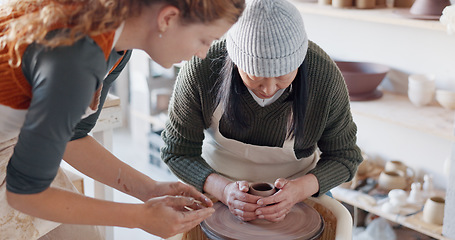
x: 328, y: 121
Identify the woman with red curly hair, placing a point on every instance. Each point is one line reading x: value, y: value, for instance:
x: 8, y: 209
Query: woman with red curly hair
x: 58, y: 59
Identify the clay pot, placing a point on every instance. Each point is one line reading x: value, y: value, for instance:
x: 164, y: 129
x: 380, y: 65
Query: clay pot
x: 404, y: 3
x: 433, y: 211
x: 395, y: 166
x: 342, y: 3
x: 262, y: 189
x: 325, y: 2
x: 380, y: 3
x: 429, y: 7
x: 389, y: 180
x: 365, y: 4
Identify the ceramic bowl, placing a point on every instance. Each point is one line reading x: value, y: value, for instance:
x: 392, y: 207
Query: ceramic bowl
x: 362, y: 78
x: 429, y: 7
x: 419, y: 82
x: 446, y: 98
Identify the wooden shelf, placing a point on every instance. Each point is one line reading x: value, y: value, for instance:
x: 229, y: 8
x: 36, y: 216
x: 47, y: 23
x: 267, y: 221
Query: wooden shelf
x: 408, y: 216
x: 376, y: 15
x: 397, y: 109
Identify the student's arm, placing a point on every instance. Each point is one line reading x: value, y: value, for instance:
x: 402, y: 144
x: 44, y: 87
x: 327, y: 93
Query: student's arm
x: 163, y: 216
x: 92, y: 159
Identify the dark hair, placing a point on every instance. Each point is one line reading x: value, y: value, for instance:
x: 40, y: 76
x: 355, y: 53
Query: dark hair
x: 231, y: 87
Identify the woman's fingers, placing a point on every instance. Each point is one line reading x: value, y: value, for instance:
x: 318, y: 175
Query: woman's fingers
x: 182, y: 189
x: 167, y: 216
x: 243, y: 186
x: 274, y: 213
x: 201, y: 199
x: 281, y: 182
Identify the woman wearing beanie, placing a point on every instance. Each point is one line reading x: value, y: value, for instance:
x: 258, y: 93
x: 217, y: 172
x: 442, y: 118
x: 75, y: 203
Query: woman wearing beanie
x: 278, y: 102
x: 58, y: 60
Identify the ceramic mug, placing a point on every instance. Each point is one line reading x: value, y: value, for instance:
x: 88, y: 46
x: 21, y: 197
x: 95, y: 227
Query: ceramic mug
x: 262, y: 189
x: 421, y: 88
x: 389, y: 180
x: 400, y: 166
x: 433, y: 210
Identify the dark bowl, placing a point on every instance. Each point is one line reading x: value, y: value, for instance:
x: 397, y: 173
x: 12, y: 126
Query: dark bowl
x: 362, y: 78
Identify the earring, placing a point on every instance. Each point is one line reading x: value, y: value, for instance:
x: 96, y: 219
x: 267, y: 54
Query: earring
x: 160, y: 35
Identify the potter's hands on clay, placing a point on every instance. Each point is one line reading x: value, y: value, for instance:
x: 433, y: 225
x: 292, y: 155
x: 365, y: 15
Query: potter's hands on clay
x: 239, y: 202
x: 167, y: 216
x: 179, y: 189
x: 276, y: 207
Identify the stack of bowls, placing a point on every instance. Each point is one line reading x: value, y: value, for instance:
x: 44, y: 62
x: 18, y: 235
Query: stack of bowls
x: 421, y: 89
x: 446, y: 98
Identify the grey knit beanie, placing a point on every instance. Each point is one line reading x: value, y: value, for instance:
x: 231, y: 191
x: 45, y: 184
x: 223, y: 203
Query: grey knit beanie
x: 269, y: 39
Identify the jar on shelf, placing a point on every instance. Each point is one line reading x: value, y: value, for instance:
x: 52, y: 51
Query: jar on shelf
x: 403, y: 3
x: 342, y: 3
x: 325, y: 2
x: 365, y: 4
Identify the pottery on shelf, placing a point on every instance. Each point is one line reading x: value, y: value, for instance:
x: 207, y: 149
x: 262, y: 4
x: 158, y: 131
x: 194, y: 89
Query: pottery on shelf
x: 429, y: 7
x: 362, y: 79
x: 433, y: 210
x: 397, y: 197
x: 416, y: 195
x: 395, y: 165
x: 446, y: 98
x: 389, y: 180
x: 404, y: 3
x: 421, y: 88
x: 342, y: 3
x: 365, y: 4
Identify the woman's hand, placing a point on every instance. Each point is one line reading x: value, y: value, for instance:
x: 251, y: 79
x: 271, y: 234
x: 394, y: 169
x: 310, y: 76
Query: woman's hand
x: 179, y: 189
x: 169, y: 215
x: 290, y: 192
x: 239, y: 202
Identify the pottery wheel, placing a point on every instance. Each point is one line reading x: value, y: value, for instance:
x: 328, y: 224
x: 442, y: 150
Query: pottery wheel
x: 302, y: 222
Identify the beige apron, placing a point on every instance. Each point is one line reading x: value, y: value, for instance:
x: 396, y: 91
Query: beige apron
x: 15, y: 225
x: 240, y: 161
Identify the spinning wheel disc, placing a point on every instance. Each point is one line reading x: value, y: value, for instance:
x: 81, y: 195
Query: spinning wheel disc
x: 302, y: 222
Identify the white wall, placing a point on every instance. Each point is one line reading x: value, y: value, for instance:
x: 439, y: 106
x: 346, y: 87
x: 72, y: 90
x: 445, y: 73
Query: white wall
x: 406, y: 50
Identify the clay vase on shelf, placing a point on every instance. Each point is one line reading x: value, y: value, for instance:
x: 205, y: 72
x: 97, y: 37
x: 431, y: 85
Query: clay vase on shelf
x: 389, y: 180
x: 342, y: 3
x: 404, y: 3
x: 429, y: 7
x: 395, y: 165
x: 325, y: 2
x: 365, y: 4
x: 433, y: 210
